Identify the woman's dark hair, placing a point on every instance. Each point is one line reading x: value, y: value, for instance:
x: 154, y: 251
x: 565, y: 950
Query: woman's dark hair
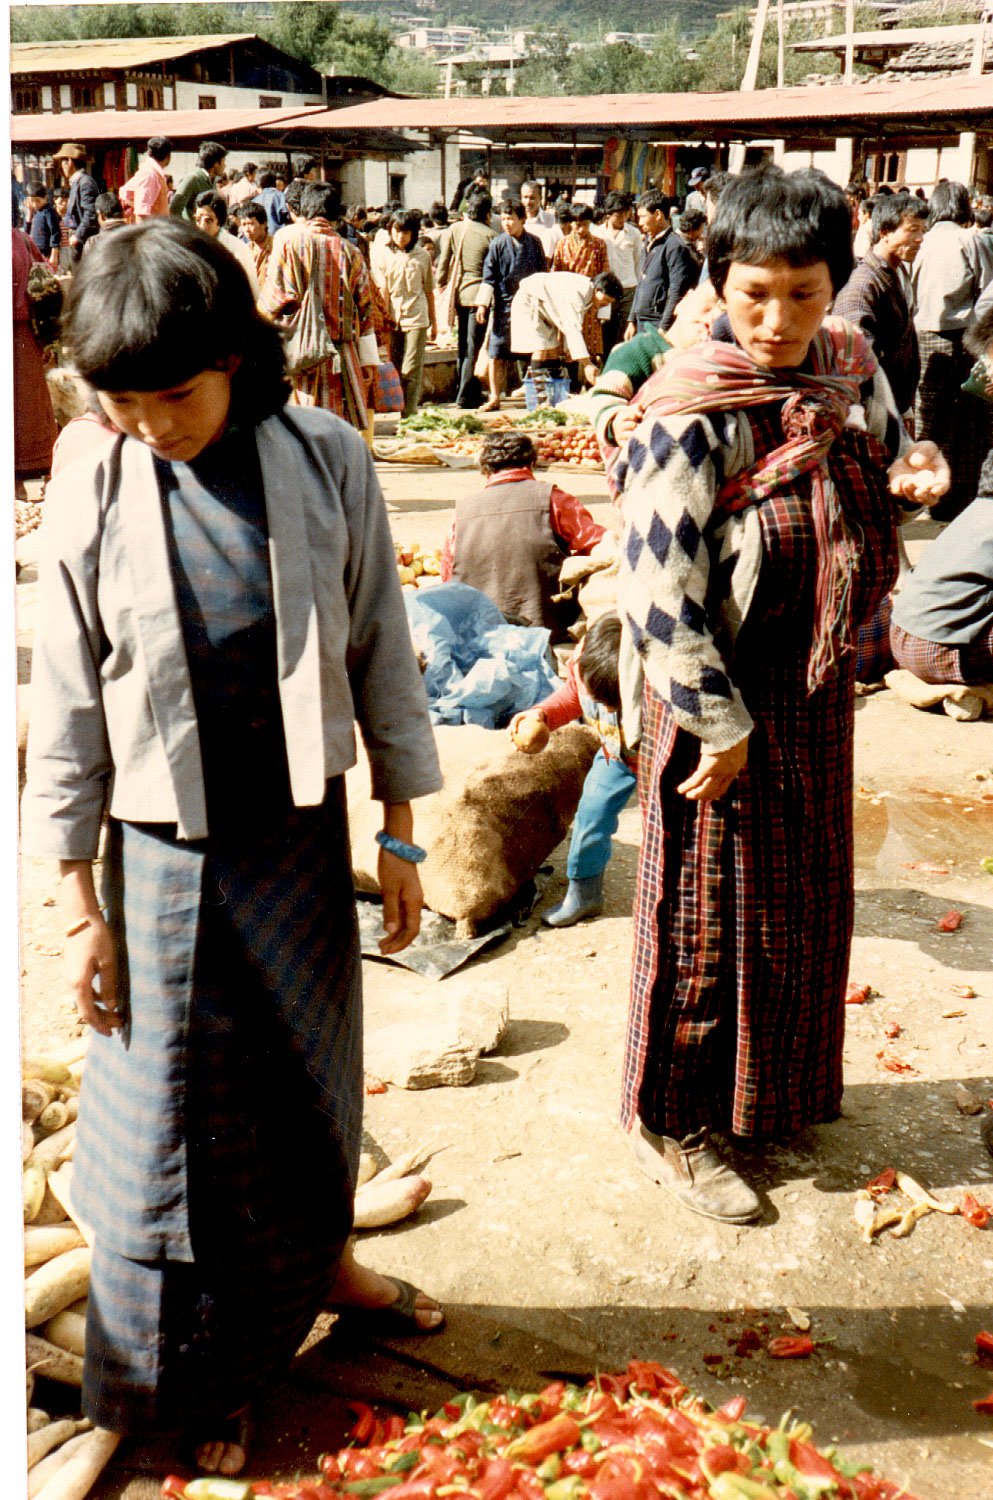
x: 267, y: 180
x: 294, y: 195
x: 950, y: 204
x: 564, y: 212
x: 512, y: 206
x: 409, y: 219
x: 215, y: 203
x: 210, y: 154
x: 159, y: 148
x: 713, y: 186
x: 607, y: 283
x: 888, y: 213
x: 506, y: 450
x: 154, y: 304
x: 321, y: 200
x: 583, y: 213
x: 692, y: 219
x: 37, y: 189
x: 770, y: 215
x: 478, y: 206
x: 303, y: 165
x: 438, y: 213
x: 598, y: 659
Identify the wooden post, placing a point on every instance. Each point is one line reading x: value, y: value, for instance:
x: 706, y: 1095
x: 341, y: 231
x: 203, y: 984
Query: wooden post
x: 849, y: 41
x: 780, y: 47
x: 575, y: 167
x: 737, y: 157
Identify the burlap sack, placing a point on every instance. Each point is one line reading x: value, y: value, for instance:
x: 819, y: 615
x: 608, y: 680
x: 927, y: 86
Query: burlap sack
x: 496, y: 820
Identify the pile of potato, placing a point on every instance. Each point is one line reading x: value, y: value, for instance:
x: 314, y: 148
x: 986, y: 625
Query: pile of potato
x: 65, y: 1455
x: 414, y: 563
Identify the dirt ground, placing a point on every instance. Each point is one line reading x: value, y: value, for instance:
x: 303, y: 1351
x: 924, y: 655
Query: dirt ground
x: 553, y: 1254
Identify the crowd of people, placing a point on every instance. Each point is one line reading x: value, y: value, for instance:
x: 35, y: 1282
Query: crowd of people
x: 762, y: 451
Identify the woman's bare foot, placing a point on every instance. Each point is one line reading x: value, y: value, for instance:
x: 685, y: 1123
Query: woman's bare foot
x: 361, y: 1287
x: 226, y: 1454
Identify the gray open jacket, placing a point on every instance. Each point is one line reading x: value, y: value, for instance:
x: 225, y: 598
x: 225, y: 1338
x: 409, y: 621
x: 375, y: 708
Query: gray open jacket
x: 112, y: 719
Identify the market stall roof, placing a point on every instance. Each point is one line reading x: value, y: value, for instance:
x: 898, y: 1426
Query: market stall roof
x: 113, y: 52
x: 106, y: 126
x: 293, y: 125
x: 890, y: 41
x: 940, y: 108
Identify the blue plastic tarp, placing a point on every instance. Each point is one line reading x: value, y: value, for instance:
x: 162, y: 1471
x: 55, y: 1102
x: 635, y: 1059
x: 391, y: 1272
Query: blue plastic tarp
x: 477, y: 668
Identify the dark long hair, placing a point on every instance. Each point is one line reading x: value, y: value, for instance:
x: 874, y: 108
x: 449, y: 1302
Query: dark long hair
x: 950, y: 204
x: 768, y: 214
x: 154, y: 304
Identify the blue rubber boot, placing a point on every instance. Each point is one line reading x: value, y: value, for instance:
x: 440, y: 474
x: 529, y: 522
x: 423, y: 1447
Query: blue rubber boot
x: 584, y: 898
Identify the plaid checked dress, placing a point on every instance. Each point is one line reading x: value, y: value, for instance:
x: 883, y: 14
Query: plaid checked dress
x: 743, y: 910
x: 218, y: 1133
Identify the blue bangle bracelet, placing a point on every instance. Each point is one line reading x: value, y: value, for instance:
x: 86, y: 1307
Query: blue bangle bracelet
x: 412, y: 853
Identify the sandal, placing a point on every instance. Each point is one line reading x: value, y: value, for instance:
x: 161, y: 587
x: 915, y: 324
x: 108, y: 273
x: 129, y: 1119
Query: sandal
x: 398, y: 1320
x: 236, y: 1430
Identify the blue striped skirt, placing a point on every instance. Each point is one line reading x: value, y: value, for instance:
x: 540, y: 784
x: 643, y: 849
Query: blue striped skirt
x: 219, y: 1133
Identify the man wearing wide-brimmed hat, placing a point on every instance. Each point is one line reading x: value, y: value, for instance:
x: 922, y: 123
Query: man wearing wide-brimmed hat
x: 81, y: 214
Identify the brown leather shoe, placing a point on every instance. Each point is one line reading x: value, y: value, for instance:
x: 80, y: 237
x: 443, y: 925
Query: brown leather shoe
x: 691, y: 1171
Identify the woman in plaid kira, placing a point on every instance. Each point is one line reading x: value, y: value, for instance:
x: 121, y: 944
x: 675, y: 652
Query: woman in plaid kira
x: 760, y: 532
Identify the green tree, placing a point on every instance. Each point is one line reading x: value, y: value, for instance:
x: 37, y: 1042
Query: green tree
x: 58, y: 23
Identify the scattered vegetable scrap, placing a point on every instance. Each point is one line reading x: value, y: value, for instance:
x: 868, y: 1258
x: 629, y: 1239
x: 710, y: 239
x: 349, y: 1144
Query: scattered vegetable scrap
x: 857, y: 994
x: 790, y: 1346
x: 872, y: 1220
x: 892, y: 1029
x: 985, y: 1405
x: 950, y: 922
x: 888, y: 1059
x: 984, y: 1347
x: 637, y: 1436
x: 374, y: 1085
x: 924, y: 867
x: 977, y: 1214
x: 963, y: 992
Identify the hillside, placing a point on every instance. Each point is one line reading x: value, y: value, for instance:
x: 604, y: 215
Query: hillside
x: 582, y: 18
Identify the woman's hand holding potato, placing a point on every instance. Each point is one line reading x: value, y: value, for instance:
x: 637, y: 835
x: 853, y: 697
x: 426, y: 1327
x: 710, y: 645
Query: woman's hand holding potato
x: 529, y: 732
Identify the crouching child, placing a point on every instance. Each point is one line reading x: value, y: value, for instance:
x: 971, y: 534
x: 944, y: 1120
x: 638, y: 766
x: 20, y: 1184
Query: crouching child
x: 591, y: 692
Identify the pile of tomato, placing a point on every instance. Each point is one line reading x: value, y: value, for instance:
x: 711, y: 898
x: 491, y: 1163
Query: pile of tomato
x: 637, y: 1436
x: 576, y: 447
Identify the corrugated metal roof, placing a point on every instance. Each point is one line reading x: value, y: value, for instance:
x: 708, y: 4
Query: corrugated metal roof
x: 699, y: 114
x: 114, y: 52
x: 136, y: 125
x: 890, y: 41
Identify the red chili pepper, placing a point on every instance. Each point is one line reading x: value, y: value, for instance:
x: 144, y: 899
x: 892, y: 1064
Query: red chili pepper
x: 985, y: 1405
x: 808, y: 1462
x: 563, y: 1431
x: 790, y: 1346
x: 970, y: 1208
x: 365, y: 1423
x: 857, y: 994
x: 984, y: 1345
x: 393, y: 1429
x: 329, y: 1465
x: 723, y: 1459
x: 734, y: 1409
x: 497, y: 1480
x: 451, y: 1410
x: 950, y: 922
x: 173, y: 1488
x: 580, y: 1462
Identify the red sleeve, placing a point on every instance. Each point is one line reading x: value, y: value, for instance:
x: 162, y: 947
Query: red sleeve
x: 563, y: 706
x: 573, y: 524
x: 448, y: 555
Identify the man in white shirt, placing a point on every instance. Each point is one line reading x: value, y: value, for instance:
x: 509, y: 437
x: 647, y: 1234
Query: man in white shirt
x: 625, y: 253
x: 548, y: 311
x: 533, y: 211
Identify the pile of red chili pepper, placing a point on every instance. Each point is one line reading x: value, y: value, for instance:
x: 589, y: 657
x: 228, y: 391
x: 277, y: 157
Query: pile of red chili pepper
x: 637, y: 1436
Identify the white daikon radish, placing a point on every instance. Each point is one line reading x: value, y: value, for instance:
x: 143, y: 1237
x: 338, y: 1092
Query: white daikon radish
x: 53, y: 1117
x: 73, y: 1051
x: 44, y: 1242
x: 54, y: 1148
x: 37, y: 1418
x: 51, y: 1069
x: 60, y: 1184
x: 55, y: 1284
x: 50, y: 1465
x: 367, y: 1169
x: 36, y: 1095
x: 43, y: 1441
x: 51, y: 1211
x: 27, y: 1141
x: 75, y: 1479
x: 404, y: 1165
x: 67, y: 1330
x: 385, y: 1202
x: 52, y: 1362
x: 34, y: 1180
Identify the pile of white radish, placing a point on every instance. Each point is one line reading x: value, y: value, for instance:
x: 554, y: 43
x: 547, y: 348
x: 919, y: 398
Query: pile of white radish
x: 383, y: 1197
x: 65, y: 1455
